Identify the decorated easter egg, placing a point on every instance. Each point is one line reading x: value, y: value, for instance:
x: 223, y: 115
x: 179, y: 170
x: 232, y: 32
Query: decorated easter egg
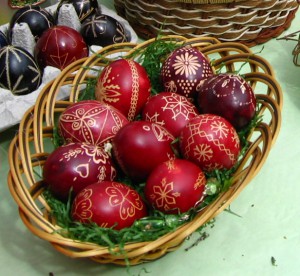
x: 211, y: 142
x: 76, y: 165
x: 59, y: 46
x: 229, y: 96
x: 103, y: 30
x: 125, y: 85
x: 140, y: 146
x: 37, y: 18
x: 19, y: 72
x: 170, y: 110
x: 83, y: 8
x: 184, y: 70
x: 90, y: 121
x: 109, y: 204
x: 175, y: 186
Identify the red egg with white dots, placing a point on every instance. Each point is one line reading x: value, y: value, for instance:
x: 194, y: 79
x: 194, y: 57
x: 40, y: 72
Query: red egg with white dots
x: 184, y: 70
x: 59, y: 46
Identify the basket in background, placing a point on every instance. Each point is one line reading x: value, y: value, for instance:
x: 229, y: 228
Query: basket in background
x: 249, y: 22
x: 30, y: 147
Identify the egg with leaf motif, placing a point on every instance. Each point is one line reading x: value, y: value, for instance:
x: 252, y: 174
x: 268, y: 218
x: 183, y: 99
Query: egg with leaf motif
x: 19, y: 72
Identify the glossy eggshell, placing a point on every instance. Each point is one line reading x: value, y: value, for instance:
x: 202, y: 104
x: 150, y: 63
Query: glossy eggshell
x: 125, y: 85
x: 19, y: 72
x: 103, y: 30
x: 170, y: 110
x: 59, y: 46
x: 109, y: 204
x: 37, y: 18
x: 229, y: 96
x: 90, y: 121
x: 75, y: 166
x: 3, y: 40
x: 83, y: 8
x: 175, y: 186
x: 210, y: 141
x: 140, y: 146
x: 184, y: 70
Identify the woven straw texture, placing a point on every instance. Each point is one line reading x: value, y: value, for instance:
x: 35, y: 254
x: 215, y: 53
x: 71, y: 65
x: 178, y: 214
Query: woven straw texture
x: 249, y: 22
x: 30, y: 147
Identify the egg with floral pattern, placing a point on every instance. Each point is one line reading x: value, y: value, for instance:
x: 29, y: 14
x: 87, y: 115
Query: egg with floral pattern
x: 211, y: 142
x: 184, y: 70
x: 170, y: 110
x: 90, y: 121
x: 109, y: 204
x: 76, y: 165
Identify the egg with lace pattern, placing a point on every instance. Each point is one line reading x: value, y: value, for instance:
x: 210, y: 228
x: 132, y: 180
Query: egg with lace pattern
x: 109, y: 204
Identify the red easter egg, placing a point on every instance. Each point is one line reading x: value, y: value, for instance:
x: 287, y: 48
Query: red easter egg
x: 59, y: 46
x: 210, y: 141
x: 140, y: 146
x: 108, y: 204
x: 229, y: 96
x: 170, y: 110
x: 125, y: 85
x: 75, y: 166
x: 175, y: 186
x: 90, y: 121
x: 184, y: 70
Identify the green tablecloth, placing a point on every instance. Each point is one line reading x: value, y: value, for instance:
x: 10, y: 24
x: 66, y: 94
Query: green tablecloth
x: 263, y: 240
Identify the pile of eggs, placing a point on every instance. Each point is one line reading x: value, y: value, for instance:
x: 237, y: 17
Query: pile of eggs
x: 36, y: 38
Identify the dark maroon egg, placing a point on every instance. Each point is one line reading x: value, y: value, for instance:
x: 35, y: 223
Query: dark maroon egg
x: 75, y: 166
x: 229, y: 96
x: 184, y: 70
x: 37, y: 18
x: 59, y: 46
x: 109, y: 204
x: 19, y: 72
x: 103, y: 30
x: 90, y: 121
x: 170, y: 110
x: 83, y: 8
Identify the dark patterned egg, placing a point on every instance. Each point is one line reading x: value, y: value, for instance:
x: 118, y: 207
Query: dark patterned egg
x: 37, y: 18
x: 83, y: 8
x: 59, y: 46
x: 184, y: 70
x: 19, y: 72
x: 3, y: 40
x: 103, y: 30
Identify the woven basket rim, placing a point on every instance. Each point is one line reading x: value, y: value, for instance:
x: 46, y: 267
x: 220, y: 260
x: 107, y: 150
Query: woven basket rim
x: 36, y: 127
x: 208, y: 1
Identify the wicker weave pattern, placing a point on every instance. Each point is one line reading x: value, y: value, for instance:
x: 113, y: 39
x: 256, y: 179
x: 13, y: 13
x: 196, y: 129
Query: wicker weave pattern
x: 30, y: 148
x: 249, y: 22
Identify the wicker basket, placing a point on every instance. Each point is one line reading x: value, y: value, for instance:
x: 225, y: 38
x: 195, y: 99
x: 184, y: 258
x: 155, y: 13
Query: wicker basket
x: 249, y: 22
x: 30, y: 147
